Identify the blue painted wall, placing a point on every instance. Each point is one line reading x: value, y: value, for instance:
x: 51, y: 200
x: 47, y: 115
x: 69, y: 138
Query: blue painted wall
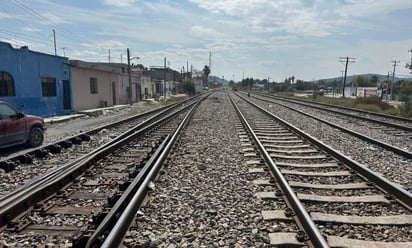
x: 27, y: 68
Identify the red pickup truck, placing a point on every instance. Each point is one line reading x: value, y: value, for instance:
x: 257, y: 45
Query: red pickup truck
x: 18, y: 128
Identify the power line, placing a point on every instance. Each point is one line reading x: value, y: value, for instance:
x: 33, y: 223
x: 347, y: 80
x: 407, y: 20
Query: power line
x: 48, y: 21
x: 23, y: 22
x: 347, y: 60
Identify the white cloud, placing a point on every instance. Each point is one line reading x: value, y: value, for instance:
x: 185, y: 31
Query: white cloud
x: 372, y: 7
x: 5, y: 16
x: 205, y: 33
x: 119, y: 3
x: 31, y: 30
x: 293, y: 16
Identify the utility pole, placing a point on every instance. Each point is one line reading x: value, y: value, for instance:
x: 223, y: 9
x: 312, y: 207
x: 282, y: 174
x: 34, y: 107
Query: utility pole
x: 347, y: 60
x: 64, y: 52
x: 164, y: 90
x: 54, y: 38
x: 129, y: 74
x: 109, y: 56
x: 395, y: 62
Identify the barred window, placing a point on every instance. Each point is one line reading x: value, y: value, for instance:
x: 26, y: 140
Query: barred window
x: 6, y: 84
x: 48, y: 86
x: 93, y: 85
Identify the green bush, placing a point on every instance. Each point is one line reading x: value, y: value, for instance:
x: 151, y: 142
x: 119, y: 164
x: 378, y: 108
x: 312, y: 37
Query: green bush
x: 373, y: 100
x: 368, y: 107
x: 406, y: 108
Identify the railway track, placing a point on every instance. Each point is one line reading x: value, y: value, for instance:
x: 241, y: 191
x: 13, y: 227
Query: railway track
x: 335, y: 201
x: 64, y: 206
x: 272, y: 185
x: 392, y: 133
x: 22, y: 167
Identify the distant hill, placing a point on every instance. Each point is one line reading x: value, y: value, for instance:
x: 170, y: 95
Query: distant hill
x: 367, y: 75
x: 219, y: 80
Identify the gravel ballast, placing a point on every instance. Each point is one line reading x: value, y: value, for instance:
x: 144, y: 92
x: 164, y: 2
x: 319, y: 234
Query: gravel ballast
x: 205, y: 197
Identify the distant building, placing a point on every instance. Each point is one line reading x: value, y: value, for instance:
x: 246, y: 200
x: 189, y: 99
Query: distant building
x: 166, y: 79
x: 148, y: 88
x: 35, y: 83
x: 97, y: 85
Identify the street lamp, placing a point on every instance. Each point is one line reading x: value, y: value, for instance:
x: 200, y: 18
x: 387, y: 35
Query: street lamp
x: 129, y: 74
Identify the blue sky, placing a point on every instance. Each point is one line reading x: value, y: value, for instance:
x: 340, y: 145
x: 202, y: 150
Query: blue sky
x: 247, y: 38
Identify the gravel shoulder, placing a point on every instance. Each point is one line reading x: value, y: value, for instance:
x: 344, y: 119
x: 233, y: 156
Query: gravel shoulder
x: 58, y: 131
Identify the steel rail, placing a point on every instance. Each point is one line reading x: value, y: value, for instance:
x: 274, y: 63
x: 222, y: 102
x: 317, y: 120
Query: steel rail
x: 398, y: 118
x: 115, y: 237
x: 382, y: 144
x: 27, y: 198
x: 48, y: 147
x: 22, y: 190
x: 394, y: 125
x: 304, y: 218
x: 402, y: 196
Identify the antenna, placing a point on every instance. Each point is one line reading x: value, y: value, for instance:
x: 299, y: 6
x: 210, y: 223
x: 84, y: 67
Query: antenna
x: 64, y: 51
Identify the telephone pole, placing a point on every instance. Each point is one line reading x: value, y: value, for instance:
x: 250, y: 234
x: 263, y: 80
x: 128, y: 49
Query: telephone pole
x: 395, y: 62
x: 347, y: 60
x: 54, y: 38
x: 164, y: 90
x: 129, y: 75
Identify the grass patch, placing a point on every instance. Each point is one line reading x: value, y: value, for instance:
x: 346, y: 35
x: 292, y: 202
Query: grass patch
x: 372, y: 104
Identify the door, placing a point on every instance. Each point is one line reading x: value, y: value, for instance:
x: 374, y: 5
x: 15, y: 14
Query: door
x: 114, y: 93
x: 137, y: 89
x: 66, y: 95
x: 13, y: 126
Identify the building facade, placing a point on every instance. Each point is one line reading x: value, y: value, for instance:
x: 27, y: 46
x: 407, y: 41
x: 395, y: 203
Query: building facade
x: 97, y: 85
x: 35, y: 83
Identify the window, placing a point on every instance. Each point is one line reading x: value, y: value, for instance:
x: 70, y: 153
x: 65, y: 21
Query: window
x: 93, y: 85
x: 48, y: 86
x: 6, y: 84
x: 6, y: 112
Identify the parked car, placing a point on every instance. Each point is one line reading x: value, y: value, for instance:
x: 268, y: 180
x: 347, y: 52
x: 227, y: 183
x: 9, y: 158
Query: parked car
x: 18, y: 128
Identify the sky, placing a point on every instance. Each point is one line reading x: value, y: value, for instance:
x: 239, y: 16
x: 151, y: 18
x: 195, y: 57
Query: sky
x: 265, y: 39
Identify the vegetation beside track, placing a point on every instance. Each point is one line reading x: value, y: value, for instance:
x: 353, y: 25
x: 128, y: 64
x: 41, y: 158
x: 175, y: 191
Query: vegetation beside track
x: 373, y: 104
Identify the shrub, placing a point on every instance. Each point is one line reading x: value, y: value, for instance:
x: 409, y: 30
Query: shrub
x: 373, y: 100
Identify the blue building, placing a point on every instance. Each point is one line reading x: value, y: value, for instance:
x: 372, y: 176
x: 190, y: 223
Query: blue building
x: 35, y: 83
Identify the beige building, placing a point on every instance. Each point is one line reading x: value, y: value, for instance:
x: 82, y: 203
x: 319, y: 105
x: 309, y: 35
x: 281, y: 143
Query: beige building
x: 148, y: 88
x: 96, y: 85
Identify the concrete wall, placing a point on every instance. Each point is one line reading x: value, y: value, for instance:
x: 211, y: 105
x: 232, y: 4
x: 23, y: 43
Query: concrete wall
x: 82, y: 96
x: 113, y: 85
x: 147, y: 83
x: 27, y: 68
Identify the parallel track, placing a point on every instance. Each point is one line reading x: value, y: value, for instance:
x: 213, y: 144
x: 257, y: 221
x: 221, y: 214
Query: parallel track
x: 324, y: 187
x: 80, y: 193
x: 22, y: 167
x: 405, y: 128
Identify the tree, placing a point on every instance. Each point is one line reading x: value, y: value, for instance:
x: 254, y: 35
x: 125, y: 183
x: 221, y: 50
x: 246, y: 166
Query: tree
x: 374, y: 80
x: 300, y: 85
x: 205, y: 74
x: 406, y: 91
x: 188, y: 88
x: 363, y: 82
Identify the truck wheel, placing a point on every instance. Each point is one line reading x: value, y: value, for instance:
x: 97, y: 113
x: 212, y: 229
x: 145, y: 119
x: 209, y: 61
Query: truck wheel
x: 36, y: 137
